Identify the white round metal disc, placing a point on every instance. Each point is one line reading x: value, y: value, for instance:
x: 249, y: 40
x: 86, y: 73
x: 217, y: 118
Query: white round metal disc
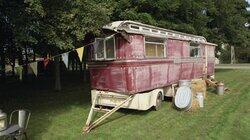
x: 183, y: 97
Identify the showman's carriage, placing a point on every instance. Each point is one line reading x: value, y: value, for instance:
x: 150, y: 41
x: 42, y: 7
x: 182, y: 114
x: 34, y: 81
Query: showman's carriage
x: 135, y: 65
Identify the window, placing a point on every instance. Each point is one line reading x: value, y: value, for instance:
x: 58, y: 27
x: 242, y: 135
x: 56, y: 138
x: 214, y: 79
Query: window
x: 105, y: 48
x: 134, y: 27
x: 155, y: 31
x: 195, y: 50
x: 110, y: 48
x: 146, y: 29
x: 154, y: 47
x: 99, y: 48
x: 164, y: 33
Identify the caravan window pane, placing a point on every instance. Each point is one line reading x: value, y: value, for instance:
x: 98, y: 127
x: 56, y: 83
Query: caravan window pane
x: 99, y: 48
x: 194, y: 51
x: 110, y: 48
x: 154, y: 47
x: 160, y: 50
x: 104, y: 48
x: 150, y: 50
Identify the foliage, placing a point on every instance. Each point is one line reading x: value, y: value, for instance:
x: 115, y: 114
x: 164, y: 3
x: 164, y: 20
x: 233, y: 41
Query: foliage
x: 225, y: 56
x: 59, y: 23
x: 64, y: 23
x: 220, y: 21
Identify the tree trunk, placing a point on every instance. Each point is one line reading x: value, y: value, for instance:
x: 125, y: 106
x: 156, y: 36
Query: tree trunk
x: 34, y: 56
x: 76, y: 65
x: 2, y: 58
x: 25, y: 64
x: 73, y: 64
x: 232, y: 55
x: 80, y: 66
x: 84, y: 71
x: 13, y: 66
x: 84, y: 62
x: 57, y: 74
x: 13, y: 59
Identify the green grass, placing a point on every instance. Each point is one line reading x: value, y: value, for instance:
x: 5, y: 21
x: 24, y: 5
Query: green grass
x: 59, y: 116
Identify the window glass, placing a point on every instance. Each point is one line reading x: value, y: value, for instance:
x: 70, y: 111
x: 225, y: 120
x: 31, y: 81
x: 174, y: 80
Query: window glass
x: 135, y: 27
x: 110, y: 48
x: 154, y: 47
x: 104, y: 48
x: 194, y: 51
x: 99, y: 48
x: 160, y: 50
x: 150, y: 50
x: 163, y: 32
x: 155, y: 31
x: 146, y: 29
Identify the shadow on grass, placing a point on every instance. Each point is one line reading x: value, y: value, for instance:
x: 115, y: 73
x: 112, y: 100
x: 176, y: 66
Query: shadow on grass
x: 37, y: 95
x: 50, y: 108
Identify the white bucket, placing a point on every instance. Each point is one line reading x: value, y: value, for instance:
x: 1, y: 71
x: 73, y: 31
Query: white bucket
x: 220, y: 88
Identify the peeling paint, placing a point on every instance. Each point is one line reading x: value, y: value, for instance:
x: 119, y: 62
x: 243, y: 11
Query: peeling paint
x: 131, y: 72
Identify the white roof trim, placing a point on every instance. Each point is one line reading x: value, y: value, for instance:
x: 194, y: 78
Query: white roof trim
x: 152, y: 31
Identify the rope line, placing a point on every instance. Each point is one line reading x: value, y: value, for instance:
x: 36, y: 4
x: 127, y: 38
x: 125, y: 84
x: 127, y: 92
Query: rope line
x: 53, y: 56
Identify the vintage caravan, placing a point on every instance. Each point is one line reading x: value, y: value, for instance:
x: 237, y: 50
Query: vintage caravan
x: 135, y: 65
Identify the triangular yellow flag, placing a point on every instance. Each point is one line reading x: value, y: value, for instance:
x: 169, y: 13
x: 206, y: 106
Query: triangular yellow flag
x: 33, y: 66
x: 80, y: 52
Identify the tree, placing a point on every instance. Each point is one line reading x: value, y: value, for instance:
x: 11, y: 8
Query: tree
x: 220, y: 21
x: 54, y: 26
x: 60, y: 24
x: 229, y: 21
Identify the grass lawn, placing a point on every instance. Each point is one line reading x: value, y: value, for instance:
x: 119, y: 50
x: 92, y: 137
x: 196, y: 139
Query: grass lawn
x: 61, y: 116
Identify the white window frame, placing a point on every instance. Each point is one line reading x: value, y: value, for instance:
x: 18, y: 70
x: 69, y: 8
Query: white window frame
x: 104, y: 49
x: 164, y: 44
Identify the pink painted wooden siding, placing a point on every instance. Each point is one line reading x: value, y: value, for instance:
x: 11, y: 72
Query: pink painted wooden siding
x: 132, y: 73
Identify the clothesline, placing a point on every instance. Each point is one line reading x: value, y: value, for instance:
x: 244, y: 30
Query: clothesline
x: 71, y: 50
x: 33, y: 65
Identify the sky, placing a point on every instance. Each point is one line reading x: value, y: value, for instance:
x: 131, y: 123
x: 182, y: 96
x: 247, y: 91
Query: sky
x: 249, y: 3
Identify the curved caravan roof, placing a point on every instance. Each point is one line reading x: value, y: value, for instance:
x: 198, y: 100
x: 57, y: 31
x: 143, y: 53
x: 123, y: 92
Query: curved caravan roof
x: 140, y: 28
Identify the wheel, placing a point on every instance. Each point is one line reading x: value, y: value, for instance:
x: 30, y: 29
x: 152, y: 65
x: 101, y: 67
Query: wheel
x: 158, y: 101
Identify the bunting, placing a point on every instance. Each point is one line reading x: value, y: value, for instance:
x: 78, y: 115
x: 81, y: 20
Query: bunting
x: 19, y: 71
x: 33, y: 66
x: 46, y: 61
x: 80, y: 52
x: 65, y: 59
